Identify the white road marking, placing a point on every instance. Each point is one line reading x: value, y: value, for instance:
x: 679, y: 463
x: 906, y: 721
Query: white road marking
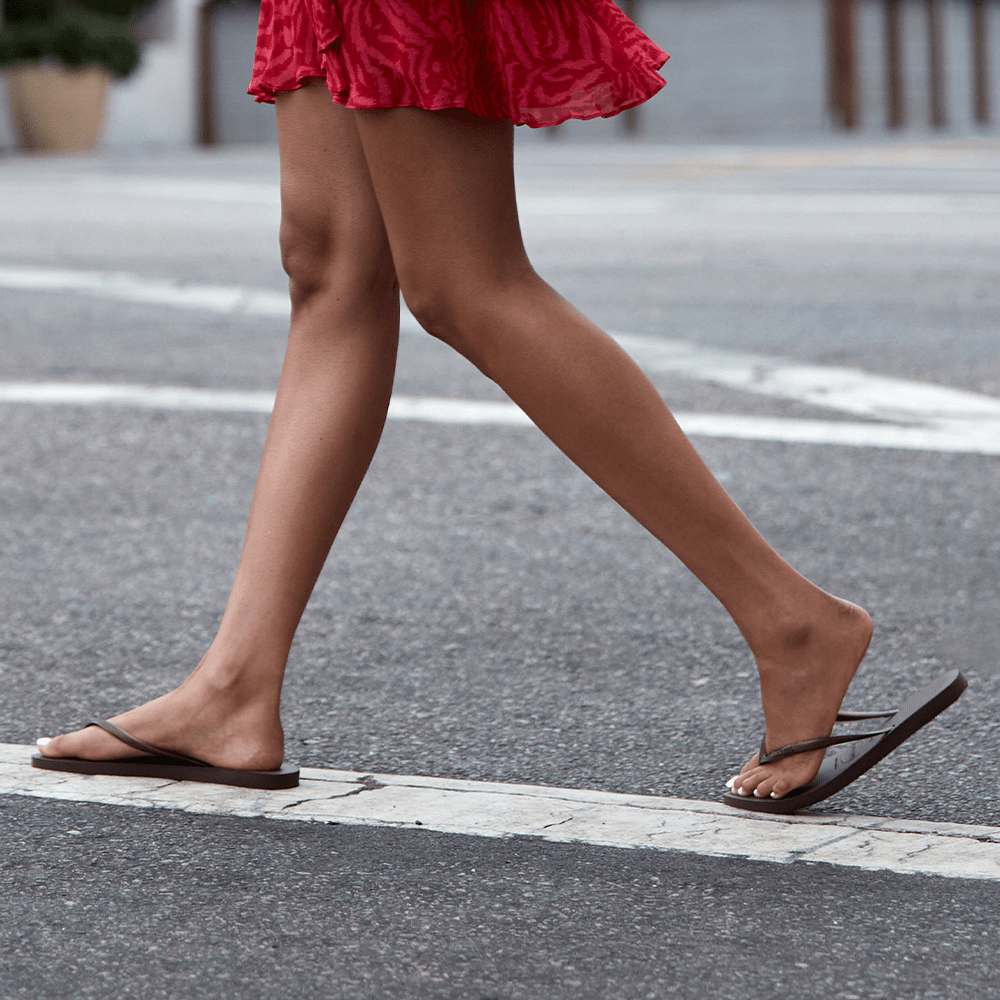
x: 923, y: 415
x: 559, y: 203
x: 435, y: 409
x: 562, y: 815
x: 163, y: 397
x: 981, y: 438
x: 670, y: 205
x: 863, y: 394
x: 976, y: 438
x: 113, y: 285
x: 916, y: 415
x: 183, y: 189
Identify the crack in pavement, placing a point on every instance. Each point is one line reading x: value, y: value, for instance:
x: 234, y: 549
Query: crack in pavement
x: 549, y: 826
x: 368, y: 783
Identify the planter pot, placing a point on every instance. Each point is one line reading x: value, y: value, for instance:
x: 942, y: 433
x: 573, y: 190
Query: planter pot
x: 57, y: 109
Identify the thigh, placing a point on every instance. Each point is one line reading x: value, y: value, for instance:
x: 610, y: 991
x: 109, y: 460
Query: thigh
x: 445, y: 186
x: 330, y: 217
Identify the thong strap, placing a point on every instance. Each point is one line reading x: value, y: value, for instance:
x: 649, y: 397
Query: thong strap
x: 874, y: 714
x: 132, y: 741
x: 821, y: 743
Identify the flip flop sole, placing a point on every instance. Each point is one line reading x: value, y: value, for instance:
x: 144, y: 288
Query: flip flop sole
x: 844, y: 764
x: 287, y: 776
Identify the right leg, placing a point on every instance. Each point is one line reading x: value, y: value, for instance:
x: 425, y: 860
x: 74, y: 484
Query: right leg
x: 445, y: 185
x: 328, y: 417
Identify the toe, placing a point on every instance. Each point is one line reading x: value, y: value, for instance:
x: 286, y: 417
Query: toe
x: 89, y: 743
x: 781, y: 786
x: 67, y: 745
x: 766, y: 787
x: 51, y: 747
x: 736, y: 781
x: 746, y: 783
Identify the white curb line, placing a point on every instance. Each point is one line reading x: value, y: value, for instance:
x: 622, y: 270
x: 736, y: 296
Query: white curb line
x: 564, y: 815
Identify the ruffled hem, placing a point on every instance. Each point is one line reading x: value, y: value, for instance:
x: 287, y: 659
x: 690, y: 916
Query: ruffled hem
x: 534, y: 64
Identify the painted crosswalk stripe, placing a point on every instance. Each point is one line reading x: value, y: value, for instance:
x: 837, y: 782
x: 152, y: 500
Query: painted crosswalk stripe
x: 124, y: 287
x: 610, y: 204
x: 563, y: 815
x: 977, y: 438
x: 895, y: 412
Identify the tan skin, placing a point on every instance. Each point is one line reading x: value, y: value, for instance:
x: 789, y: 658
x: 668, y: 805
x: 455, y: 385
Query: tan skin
x: 378, y: 201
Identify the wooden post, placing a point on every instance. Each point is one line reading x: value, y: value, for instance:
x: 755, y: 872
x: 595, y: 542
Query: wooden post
x: 896, y: 109
x: 630, y: 118
x: 935, y: 59
x: 980, y: 62
x: 206, y: 76
x: 842, y: 63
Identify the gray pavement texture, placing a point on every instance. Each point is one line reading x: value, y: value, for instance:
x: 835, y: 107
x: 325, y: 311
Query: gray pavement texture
x: 487, y: 613
x: 129, y: 904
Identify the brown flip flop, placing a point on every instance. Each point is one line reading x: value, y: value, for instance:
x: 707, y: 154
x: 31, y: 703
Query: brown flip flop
x: 857, y: 753
x: 168, y: 765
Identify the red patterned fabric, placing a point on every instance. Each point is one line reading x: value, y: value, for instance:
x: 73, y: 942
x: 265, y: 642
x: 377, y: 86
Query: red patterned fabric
x: 536, y: 62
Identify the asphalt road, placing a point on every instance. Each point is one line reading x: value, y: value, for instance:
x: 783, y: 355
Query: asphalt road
x: 487, y: 612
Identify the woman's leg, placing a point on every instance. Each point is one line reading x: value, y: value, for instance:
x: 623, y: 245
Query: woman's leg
x: 444, y: 183
x: 328, y: 416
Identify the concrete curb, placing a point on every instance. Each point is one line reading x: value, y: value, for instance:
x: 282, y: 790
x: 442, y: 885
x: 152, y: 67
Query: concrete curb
x: 564, y: 815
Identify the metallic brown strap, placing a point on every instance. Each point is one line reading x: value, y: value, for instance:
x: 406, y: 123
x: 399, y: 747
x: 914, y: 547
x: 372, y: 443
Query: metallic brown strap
x: 806, y: 745
x: 856, y: 716
x: 132, y: 741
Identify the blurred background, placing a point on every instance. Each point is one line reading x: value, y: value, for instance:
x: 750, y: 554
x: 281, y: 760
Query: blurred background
x: 740, y: 70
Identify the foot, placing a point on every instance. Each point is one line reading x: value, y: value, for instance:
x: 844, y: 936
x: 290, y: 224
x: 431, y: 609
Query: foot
x: 215, y: 723
x: 803, y: 680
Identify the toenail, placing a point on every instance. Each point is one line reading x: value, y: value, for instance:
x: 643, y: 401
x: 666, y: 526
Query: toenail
x: 730, y: 783
x: 741, y: 790
x: 43, y: 741
x: 774, y: 795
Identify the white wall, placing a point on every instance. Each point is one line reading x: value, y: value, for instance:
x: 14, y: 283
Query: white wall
x: 156, y: 105
x: 741, y: 70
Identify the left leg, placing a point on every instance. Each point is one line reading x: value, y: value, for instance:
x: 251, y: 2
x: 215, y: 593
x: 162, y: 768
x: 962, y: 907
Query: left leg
x: 444, y: 183
x: 330, y: 408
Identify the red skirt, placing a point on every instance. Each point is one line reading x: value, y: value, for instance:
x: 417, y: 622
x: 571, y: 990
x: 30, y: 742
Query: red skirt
x: 535, y: 62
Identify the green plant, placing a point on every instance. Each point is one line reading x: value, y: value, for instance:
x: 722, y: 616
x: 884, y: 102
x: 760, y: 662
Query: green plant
x: 76, y: 32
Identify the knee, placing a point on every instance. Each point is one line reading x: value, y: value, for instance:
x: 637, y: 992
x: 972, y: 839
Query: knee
x: 326, y: 257
x: 434, y: 306
x: 462, y: 310
x: 468, y: 311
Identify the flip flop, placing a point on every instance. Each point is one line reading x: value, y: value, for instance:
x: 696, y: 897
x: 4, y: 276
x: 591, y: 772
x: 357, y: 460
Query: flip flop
x: 857, y: 753
x: 166, y: 764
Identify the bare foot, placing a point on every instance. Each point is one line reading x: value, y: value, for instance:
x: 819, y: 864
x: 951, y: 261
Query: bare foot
x: 212, y: 722
x: 802, y: 687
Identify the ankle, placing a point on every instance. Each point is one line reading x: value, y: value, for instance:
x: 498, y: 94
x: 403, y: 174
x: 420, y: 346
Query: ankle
x: 797, y: 634
x: 238, y: 683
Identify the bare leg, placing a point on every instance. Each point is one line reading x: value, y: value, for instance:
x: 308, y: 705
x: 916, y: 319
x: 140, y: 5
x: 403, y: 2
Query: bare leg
x: 444, y: 183
x: 330, y: 410
x: 444, y: 187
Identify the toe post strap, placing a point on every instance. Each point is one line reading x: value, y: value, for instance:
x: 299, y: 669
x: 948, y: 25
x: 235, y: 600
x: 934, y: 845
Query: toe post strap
x: 806, y: 746
x: 822, y: 742
x: 874, y: 714
x: 137, y: 744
